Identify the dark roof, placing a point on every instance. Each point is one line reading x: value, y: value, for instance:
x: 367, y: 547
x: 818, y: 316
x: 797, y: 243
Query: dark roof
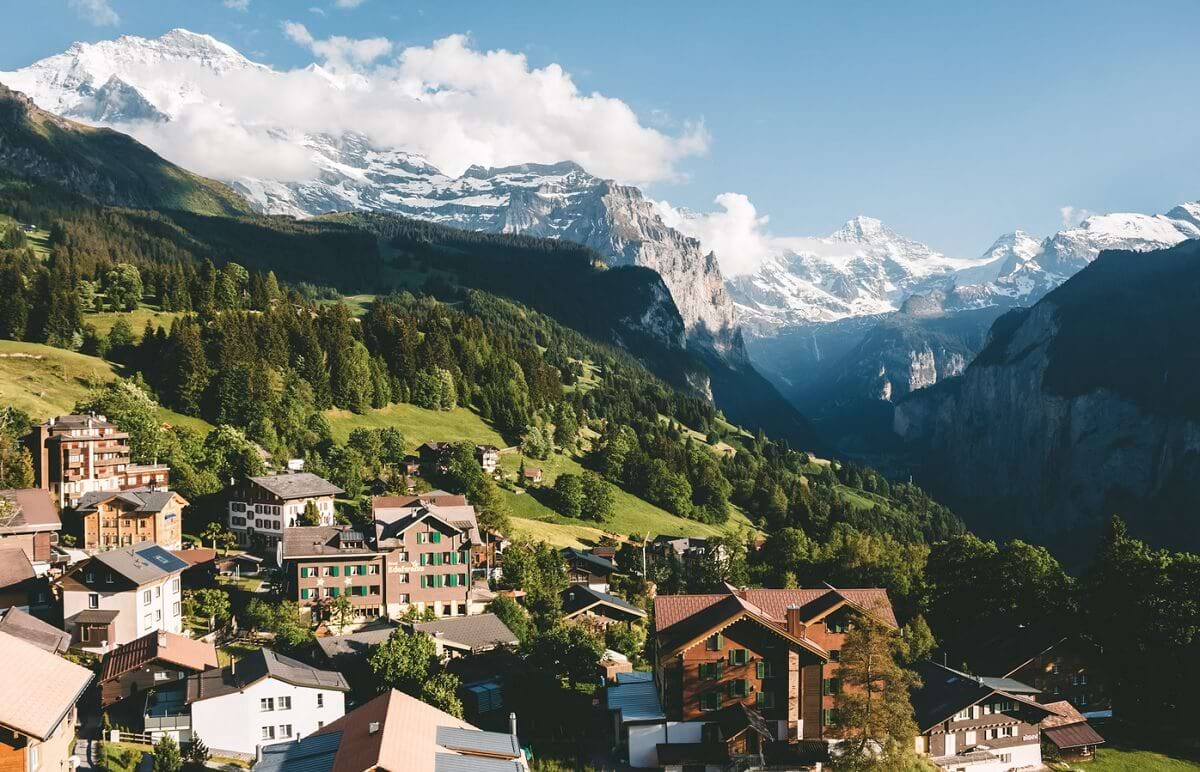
x: 320, y: 540
x: 737, y: 718
x: 999, y: 645
x: 477, y: 632
x: 95, y: 616
x: 141, y: 499
x: 300, y: 485
x: 452, y: 762
x: 393, y: 521
x: 720, y: 614
x: 79, y: 421
x: 773, y: 603
x: 256, y: 666
x: 339, y: 648
x: 944, y: 692
x: 595, y: 563
x: 314, y: 753
x: 15, y: 567
x: 177, y: 650
x: 1073, y: 735
x: 28, y: 628
x: 578, y: 597
x: 33, y: 510
x: 141, y: 563
x: 475, y: 741
x: 1010, y: 685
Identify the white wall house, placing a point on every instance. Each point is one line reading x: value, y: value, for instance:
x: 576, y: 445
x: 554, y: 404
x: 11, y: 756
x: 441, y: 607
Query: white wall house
x: 268, y: 505
x: 122, y: 594
x: 262, y: 699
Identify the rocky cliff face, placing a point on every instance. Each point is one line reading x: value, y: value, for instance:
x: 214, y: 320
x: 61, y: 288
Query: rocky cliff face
x: 1037, y: 439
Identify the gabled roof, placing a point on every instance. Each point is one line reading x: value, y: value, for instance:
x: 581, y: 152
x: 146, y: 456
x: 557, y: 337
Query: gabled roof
x: 579, y: 598
x: 738, y: 718
x: 1075, y: 735
x: 944, y: 692
x: 15, y: 567
x: 30, y: 629
x: 142, y: 500
x: 196, y: 556
x: 594, y: 563
x: 40, y: 688
x: 341, y: 648
x: 256, y: 666
x: 436, y: 497
x: 322, y: 540
x: 1000, y: 644
x: 33, y: 510
x: 390, y: 522
x: 717, y: 616
x: 142, y: 563
x: 413, y: 736
x: 176, y: 650
x: 1061, y: 714
x: 298, y: 485
x: 672, y: 609
x: 477, y: 632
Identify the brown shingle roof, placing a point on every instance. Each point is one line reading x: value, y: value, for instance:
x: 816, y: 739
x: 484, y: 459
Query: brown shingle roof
x: 671, y: 609
x: 28, y: 628
x: 33, y: 511
x: 178, y: 650
x: 196, y: 556
x: 1073, y: 735
x: 14, y: 567
x: 39, y: 687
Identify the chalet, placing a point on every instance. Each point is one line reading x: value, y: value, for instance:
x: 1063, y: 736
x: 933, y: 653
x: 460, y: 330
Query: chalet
x: 395, y: 731
x: 1060, y: 667
x: 325, y: 562
x: 742, y: 670
x: 20, y: 585
x: 120, y: 518
x: 261, y: 699
x: 586, y: 569
x: 688, y: 550
x: 531, y: 475
x: 38, y: 709
x: 488, y: 457
x: 582, y: 602
x: 984, y: 723
x: 264, y: 507
x: 150, y: 662
x: 1069, y: 732
x: 30, y: 629
x: 120, y: 595
x: 29, y: 520
x: 433, y: 456
x: 77, y: 454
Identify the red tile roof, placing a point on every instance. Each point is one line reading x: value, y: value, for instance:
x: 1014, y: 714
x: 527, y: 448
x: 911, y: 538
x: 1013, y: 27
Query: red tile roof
x: 179, y: 650
x: 196, y: 556
x: 671, y: 609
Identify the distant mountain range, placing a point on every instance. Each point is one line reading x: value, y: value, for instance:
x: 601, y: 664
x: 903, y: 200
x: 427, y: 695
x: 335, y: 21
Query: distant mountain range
x: 132, y: 81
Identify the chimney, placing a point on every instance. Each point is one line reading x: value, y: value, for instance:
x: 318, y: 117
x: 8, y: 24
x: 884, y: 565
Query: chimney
x: 257, y: 754
x: 795, y: 626
x: 373, y: 727
x: 512, y: 725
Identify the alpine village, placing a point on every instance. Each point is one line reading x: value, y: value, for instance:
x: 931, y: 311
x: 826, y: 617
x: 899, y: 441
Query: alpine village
x: 392, y: 469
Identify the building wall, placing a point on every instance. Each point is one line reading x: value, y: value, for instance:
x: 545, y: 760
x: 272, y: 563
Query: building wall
x: 972, y: 730
x: 1062, y: 673
x: 233, y: 722
x: 18, y: 751
x: 35, y: 545
x: 113, y: 524
x: 414, y: 565
x: 135, y: 617
x: 140, y: 681
x: 819, y: 697
x: 251, y: 507
x: 644, y: 737
x: 339, y: 576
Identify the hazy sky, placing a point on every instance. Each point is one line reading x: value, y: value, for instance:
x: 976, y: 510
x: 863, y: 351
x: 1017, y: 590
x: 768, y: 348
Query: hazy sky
x: 952, y: 122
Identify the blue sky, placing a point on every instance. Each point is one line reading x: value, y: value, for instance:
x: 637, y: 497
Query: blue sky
x: 952, y: 122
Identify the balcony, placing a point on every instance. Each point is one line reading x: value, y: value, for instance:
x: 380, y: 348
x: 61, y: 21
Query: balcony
x: 167, y: 710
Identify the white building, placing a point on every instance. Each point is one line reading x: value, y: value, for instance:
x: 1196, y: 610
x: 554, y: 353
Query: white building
x: 261, y: 699
x: 122, y: 594
x: 265, y: 506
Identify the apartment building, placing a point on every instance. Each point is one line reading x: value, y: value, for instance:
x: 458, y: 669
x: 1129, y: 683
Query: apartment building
x: 265, y: 507
x: 78, y: 454
x: 122, y: 594
x: 114, y: 519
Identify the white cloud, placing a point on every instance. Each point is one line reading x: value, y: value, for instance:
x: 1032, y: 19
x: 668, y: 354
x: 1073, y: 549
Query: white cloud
x: 98, y: 12
x: 317, y: 11
x: 1072, y: 216
x: 349, y: 3
x: 237, y: 5
x: 337, y: 50
x: 736, y: 233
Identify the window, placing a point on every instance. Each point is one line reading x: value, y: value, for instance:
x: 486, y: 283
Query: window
x: 1082, y: 700
x: 421, y: 538
x: 462, y: 580
x: 452, y: 580
x: 739, y: 687
x: 158, y: 591
x: 304, y: 572
x: 284, y: 703
x: 711, y: 671
x: 335, y: 591
x: 765, y: 699
x: 160, y: 675
x: 320, y: 700
x: 403, y: 579
x: 372, y: 569
x: 146, y: 598
x: 763, y: 669
x: 738, y: 656
x: 285, y: 730
x: 969, y: 739
x: 829, y: 717
x: 266, y: 704
x: 374, y: 589
x: 1005, y: 758
x: 831, y: 686
x: 305, y: 593
x: 404, y: 597
x: 93, y: 600
x: 333, y: 570
x: 148, y: 621
x: 1054, y: 669
x: 435, y: 537
x: 89, y: 577
x: 320, y: 724
x: 157, y: 615
x: 835, y: 655
x: 710, y: 701
x: 838, y: 626
x: 175, y: 609
x: 268, y: 733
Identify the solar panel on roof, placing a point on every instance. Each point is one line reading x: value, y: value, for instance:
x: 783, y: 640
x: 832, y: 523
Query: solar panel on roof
x: 161, y: 558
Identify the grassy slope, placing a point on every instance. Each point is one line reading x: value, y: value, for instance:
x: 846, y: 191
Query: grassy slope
x: 45, y: 381
x: 530, y: 516
x: 1119, y: 759
x: 104, y: 320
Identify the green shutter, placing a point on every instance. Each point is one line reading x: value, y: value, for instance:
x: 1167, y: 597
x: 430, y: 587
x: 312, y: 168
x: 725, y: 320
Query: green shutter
x: 760, y: 670
x: 437, y: 537
x: 333, y: 571
x: 720, y: 641
x: 422, y: 581
x: 423, y: 558
x: 362, y: 570
x: 304, y: 594
x: 453, y: 580
x: 335, y: 591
